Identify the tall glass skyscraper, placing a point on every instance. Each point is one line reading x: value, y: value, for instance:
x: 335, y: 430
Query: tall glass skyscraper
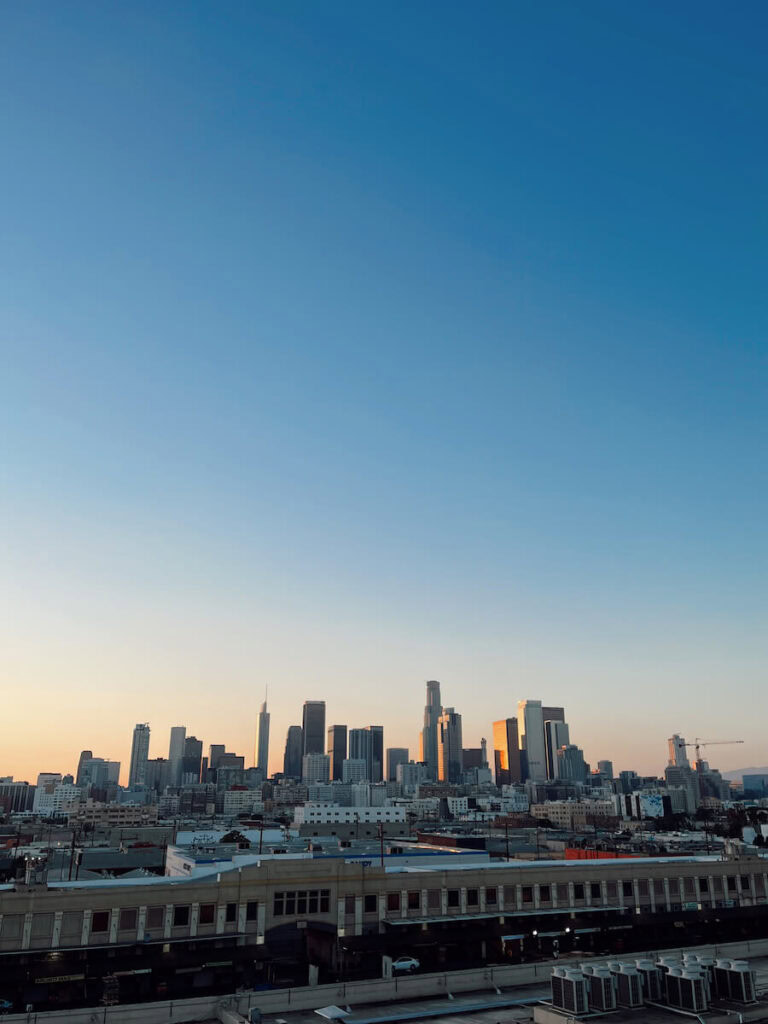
x: 313, y: 724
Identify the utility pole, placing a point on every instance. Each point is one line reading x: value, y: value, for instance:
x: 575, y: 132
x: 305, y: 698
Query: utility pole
x: 381, y: 841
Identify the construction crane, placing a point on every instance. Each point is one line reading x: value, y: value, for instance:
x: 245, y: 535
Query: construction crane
x: 698, y: 743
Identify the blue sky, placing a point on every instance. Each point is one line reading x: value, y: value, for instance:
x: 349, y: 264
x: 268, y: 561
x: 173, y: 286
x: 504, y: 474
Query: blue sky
x: 350, y: 345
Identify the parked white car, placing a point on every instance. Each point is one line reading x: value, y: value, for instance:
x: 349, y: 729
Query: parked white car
x: 405, y: 963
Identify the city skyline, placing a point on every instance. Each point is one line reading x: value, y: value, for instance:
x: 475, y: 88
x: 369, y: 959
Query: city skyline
x: 161, y: 743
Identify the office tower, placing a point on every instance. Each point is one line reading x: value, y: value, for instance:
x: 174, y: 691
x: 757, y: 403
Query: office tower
x: 606, y: 768
x: 506, y: 752
x: 552, y: 714
x: 262, y: 743
x: 570, y: 765
x: 337, y: 749
x: 176, y: 753
x: 294, y: 743
x: 678, y: 754
x: 449, y: 746
x: 530, y: 726
x: 139, y: 756
x: 395, y: 756
x: 192, y: 761
x: 354, y: 769
x: 157, y: 774
x: 215, y: 752
x: 428, y: 740
x: 471, y: 757
x: 483, y: 752
x: 556, y: 735
x: 85, y: 755
x: 360, y: 748
x: 313, y: 724
x: 315, y: 768
x: 376, y: 753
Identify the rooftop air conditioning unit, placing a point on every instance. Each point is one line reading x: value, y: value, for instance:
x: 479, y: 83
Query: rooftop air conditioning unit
x: 652, y: 980
x: 602, y: 989
x: 742, y: 982
x: 693, y: 990
x: 569, y: 990
x: 629, y: 986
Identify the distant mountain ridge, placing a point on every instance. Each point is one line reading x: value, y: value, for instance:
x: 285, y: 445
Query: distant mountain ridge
x: 738, y: 773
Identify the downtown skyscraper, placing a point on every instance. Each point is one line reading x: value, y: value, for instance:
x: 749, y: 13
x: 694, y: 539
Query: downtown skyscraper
x: 428, y: 739
x: 137, y: 773
x: 313, y: 725
x: 262, y: 741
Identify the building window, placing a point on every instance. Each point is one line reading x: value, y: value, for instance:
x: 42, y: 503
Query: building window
x: 370, y: 903
x: 745, y: 883
x: 703, y: 885
x: 527, y: 894
x: 433, y: 899
x: 414, y: 900
x: 231, y: 915
x: 128, y: 920
x: 393, y: 901
x: 545, y: 894
x: 490, y: 897
x: 690, y: 887
x: 658, y: 887
x: 325, y: 901
x: 100, y: 921
x: 578, y: 891
x: 290, y: 904
x: 349, y: 905
x: 562, y: 892
x: 301, y: 902
x: 454, y: 898
x: 251, y: 910
x: 155, y: 917
x: 644, y: 886
x: 180, y: 917
x: 627, y: 890
x: 510, y: 895
x: 731, y: 883
x: 207, y: 913
x: 612, y: 890
x: 473, y: 897
x: 595, y: 891
x: 278, y: 907
x: 312, y: 902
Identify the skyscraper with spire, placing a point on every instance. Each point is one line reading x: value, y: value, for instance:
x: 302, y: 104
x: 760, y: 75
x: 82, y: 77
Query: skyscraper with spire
x: 262, y: 742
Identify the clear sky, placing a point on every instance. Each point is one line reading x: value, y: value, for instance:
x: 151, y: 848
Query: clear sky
x: 346, y: 345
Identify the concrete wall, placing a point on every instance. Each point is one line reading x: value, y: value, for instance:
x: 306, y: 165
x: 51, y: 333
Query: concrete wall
x: 353, y: 994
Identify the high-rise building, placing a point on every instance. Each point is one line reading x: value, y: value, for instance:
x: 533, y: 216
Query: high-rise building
x: 215, y: 752
x: 139, y: 756
x: 85, y: 755
x: 294, y: 743
x: 262, y: 742
x: 354, y: 769
x: 395, y: 756
x: 550, y: 714
x: 428, y: 739
x: 678, y: 753
x: 376, y: 753
x: 571, y: 766
x: 337, y: 749
x: 192, y: 761
x: 176, y: 753
x: 449, y: 746
x: 157, y: 774
x: 313, y: 724
x: 530, y: 726
x: 556, y: 735
x: 360, y: 748
x: 315, y: 768
x: 606, y: 768
x: 506, y: 752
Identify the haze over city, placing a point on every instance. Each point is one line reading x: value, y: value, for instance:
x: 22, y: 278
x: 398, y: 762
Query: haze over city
x: 331, y: 369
